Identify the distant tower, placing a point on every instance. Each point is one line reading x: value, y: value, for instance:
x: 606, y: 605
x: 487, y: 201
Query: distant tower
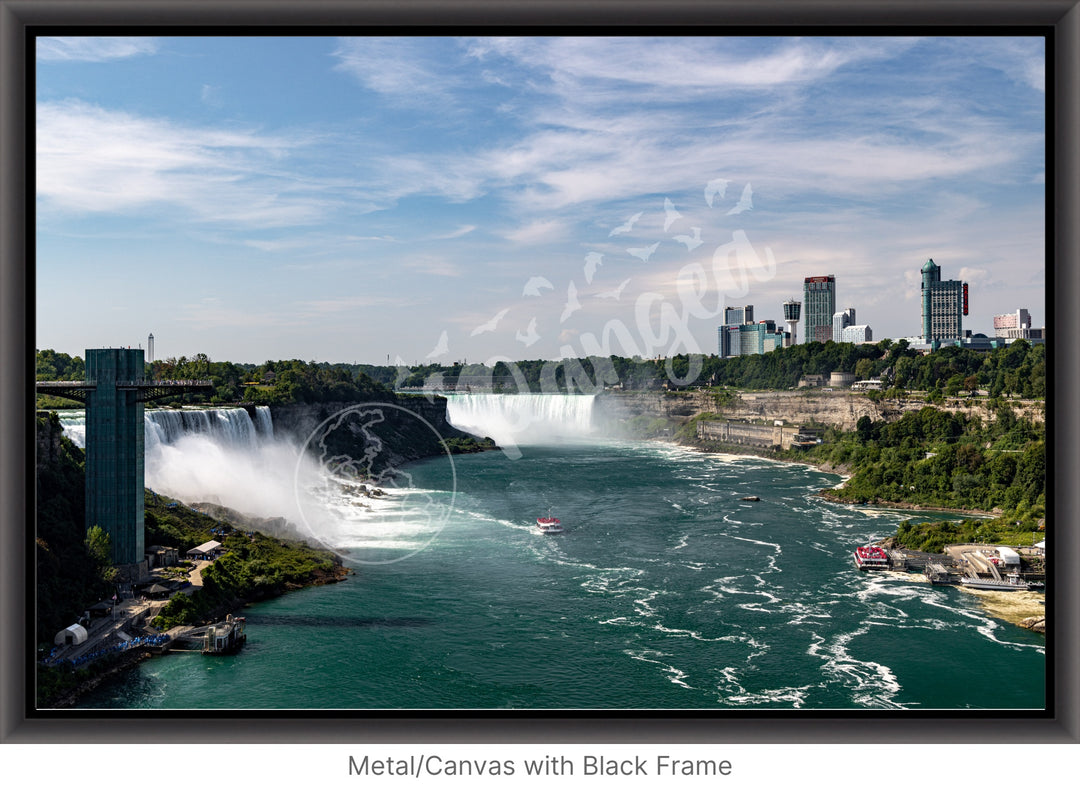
x: 944, y: 305
x: 740, y: 315
x: 150, y: 349
x: 819, y: 300
x: 792, y: 310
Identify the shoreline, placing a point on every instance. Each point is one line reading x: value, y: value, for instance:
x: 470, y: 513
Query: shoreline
x: 842, y: 471
x: 882, y: 504
x: 129, y: 660
x: 993, y: 605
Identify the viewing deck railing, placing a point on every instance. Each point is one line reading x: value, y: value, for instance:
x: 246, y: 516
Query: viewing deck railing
x: 164, y: 383
x: 66, y: 384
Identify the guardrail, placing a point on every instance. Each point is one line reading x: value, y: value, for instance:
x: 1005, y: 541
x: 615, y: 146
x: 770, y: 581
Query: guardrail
x: 162, y: 383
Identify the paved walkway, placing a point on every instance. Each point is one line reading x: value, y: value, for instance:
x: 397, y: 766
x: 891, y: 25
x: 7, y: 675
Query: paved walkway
x: 196, y: 576
x: 102, y: 631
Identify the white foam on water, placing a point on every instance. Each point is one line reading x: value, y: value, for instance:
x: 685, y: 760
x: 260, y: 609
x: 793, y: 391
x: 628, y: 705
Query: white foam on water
x: 670, y: 672
x: 870, y: 684
x: 794, y: 697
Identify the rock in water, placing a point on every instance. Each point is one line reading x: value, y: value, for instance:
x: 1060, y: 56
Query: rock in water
x: 1036, y: 623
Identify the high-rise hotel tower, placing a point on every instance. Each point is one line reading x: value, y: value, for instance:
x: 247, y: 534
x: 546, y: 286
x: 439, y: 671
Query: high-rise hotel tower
x: 944, y: 305
x: 819, y: 305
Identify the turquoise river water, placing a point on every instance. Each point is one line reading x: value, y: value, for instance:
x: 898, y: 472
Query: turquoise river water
x: 665, y: 592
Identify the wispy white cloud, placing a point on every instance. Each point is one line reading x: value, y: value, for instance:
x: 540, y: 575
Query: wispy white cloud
x: 463, y: 230
x: 597, y: 70
x: 90, y: 159
x: 94, y: 48
x: 315, y: 242
x: 399, y: 68
x: 1023, y: 60
x: 434, y: 264
x: 539, y: 231
x: 866, y: 156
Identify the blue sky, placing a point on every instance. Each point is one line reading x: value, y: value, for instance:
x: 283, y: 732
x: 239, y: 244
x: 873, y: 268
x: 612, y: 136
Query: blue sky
x: 441, y: 199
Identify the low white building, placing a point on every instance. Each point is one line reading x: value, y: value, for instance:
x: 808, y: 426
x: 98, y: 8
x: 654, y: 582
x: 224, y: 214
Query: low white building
x: 74, y: 634
x: 867, y: 385
x: 856, y: 334
x: 207, y: 551
x: 1008, y: 556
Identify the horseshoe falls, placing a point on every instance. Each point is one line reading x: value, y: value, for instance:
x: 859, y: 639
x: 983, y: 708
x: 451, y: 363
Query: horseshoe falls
x: 664, y: 592
x: 522, y: 419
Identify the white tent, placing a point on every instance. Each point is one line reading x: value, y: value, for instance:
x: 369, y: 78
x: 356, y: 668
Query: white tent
x: 207, y: 549
x: 1041, y: 544
x: 1008, y: 556
x: 74, y: 634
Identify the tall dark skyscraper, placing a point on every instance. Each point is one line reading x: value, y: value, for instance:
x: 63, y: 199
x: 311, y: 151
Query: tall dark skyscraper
x: 115, y: 450
x: 944, y: 305
x: 819, y: 305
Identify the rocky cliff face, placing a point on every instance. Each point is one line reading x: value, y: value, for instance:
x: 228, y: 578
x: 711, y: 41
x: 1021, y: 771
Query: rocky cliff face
x: 837, y: 408
x: 613, y: 410
x: 844, y: 408
x: 48, y: 442
x: 374, y: 435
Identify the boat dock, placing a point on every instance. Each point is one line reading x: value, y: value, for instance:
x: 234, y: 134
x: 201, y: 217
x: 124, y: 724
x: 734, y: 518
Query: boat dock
x: 227, y: 637
x: 982, y: 565
x: 940, y: 574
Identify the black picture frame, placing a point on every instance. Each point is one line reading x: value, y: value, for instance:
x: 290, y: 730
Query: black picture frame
x: 19, y: 722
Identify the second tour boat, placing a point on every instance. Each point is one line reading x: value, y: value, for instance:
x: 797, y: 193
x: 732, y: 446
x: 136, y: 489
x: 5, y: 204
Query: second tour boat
x: 549, y: 526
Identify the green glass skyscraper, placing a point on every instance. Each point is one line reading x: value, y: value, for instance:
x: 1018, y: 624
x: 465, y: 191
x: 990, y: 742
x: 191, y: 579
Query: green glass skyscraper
x: 114, y: 450
x: 819, y: 305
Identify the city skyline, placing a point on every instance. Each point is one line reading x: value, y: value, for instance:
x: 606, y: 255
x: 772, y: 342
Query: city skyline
x: 366, y: 200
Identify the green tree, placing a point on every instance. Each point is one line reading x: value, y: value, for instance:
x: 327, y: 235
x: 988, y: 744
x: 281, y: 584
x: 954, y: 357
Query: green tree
x: 99, y: 547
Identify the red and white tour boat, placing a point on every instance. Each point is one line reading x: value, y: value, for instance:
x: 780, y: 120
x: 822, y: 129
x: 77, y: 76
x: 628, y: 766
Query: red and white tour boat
x: 871, y: 558
x: 549, y: 526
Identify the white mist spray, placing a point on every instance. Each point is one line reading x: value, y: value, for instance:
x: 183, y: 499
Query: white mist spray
x: 513, y: 420
x: 229, y: 458
x: 220, y: 456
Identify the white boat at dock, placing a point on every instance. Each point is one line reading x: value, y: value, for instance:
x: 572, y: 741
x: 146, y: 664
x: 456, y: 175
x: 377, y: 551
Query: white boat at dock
x: 1013, y: 582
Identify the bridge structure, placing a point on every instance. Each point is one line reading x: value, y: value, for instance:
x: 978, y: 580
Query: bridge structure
x: 114, y: 391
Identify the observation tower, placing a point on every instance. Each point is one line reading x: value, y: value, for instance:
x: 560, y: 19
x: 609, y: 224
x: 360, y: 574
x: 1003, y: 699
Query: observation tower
x: 114, y: 391
x: 792, y: 311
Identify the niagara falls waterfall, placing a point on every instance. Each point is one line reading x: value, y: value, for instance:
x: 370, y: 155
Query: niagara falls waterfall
x: 523, y: 419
